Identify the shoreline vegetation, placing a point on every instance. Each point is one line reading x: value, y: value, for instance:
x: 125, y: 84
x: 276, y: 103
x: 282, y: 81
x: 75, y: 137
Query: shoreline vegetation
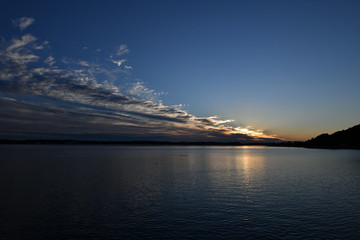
x: 345, y: 139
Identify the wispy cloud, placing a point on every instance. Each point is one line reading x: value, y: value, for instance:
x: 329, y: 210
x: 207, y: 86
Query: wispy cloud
x: 119, y: 62
x: 138, y: 89
x: 50, y: 61
x: 128, y: 67
x: 122, y: 50
x: 87, y: 100
x: 23, y: 22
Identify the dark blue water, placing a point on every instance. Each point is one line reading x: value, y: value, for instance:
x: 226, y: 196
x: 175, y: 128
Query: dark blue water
x: 111, y: 192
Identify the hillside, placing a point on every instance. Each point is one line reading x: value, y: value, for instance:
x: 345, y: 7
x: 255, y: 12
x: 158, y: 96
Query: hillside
x: 349, y: 138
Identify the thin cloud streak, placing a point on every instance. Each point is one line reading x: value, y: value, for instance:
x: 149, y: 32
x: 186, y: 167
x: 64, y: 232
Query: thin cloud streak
x: 122, y: 50
x: 35, y: 93
x: 23, y: 22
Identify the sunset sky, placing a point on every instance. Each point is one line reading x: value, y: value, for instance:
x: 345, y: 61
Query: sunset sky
x: 178, y: 70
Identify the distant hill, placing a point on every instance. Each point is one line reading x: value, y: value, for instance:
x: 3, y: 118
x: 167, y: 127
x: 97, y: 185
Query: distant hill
x: 349, y: 138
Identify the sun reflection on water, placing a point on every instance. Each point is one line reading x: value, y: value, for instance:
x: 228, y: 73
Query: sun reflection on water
x: 250, y: 166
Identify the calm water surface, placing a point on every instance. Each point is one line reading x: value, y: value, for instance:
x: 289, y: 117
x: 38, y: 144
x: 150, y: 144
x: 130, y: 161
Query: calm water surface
x: 124, y: 192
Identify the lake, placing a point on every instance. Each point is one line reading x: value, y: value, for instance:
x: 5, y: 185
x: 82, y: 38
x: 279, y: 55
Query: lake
x: 178, y: 192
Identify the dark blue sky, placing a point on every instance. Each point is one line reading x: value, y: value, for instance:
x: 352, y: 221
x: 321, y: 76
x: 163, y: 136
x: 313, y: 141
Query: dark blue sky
x: 289, y: 68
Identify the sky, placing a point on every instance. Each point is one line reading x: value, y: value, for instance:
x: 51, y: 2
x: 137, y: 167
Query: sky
x: 184, y: 70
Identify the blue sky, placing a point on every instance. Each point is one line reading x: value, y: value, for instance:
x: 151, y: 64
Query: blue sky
x: 283, y: 69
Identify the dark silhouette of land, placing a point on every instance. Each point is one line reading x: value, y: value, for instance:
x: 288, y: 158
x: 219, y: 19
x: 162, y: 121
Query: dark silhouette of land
x: 349, y: 138
x: 345, y: 139
x: 164, y: 143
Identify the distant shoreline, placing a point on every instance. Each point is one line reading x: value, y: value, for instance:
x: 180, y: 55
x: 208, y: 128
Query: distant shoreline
x: 151, y: 143
x: 168, y: 143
